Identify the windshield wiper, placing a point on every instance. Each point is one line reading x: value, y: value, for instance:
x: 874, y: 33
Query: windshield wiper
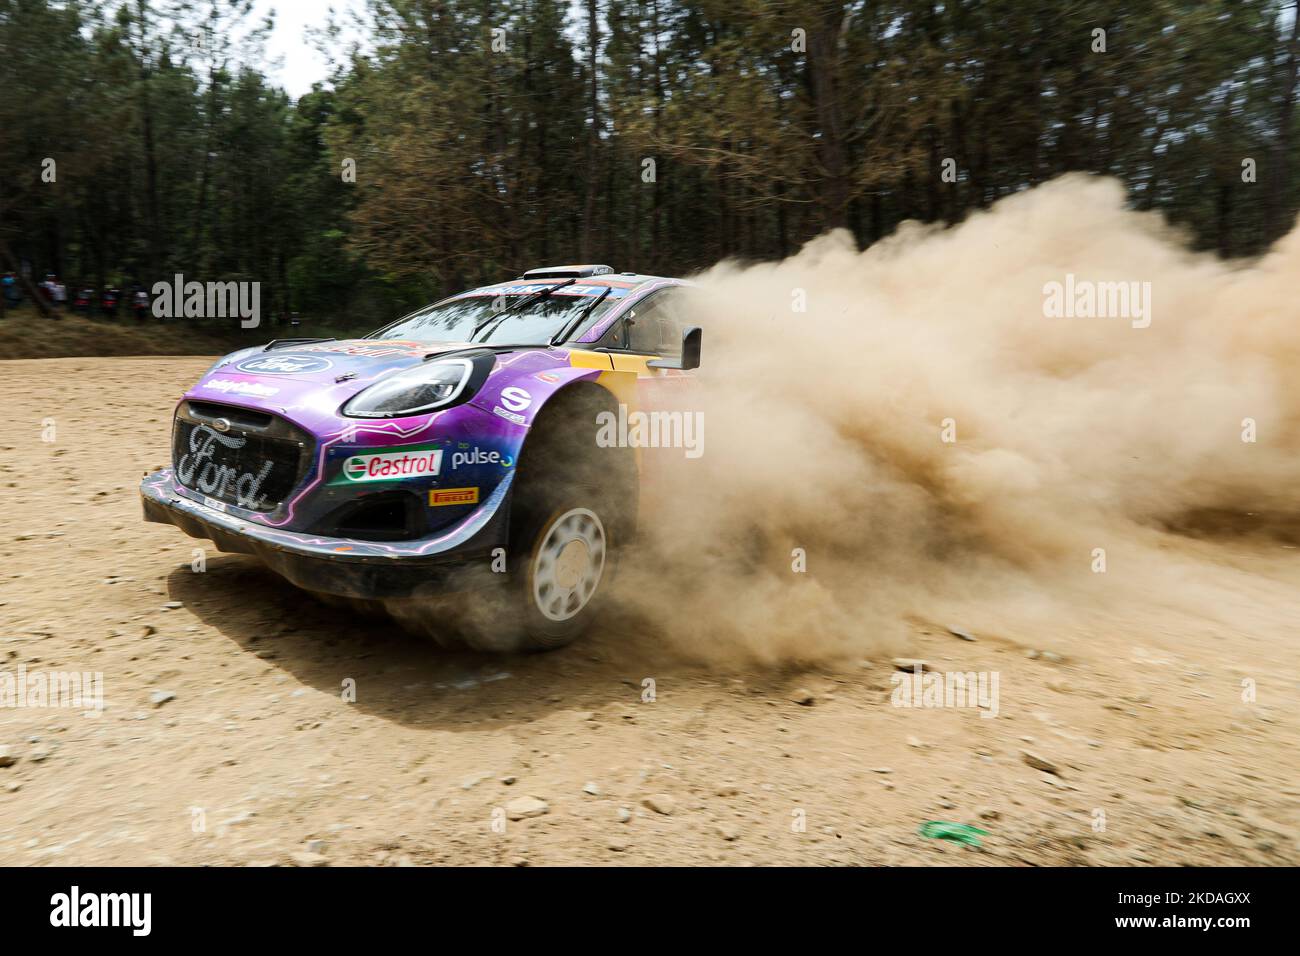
x: 565, y: 332
x: 526, y: 300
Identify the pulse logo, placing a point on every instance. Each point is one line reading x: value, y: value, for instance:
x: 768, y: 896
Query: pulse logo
x: 134, y: 910
x: 462, y: 459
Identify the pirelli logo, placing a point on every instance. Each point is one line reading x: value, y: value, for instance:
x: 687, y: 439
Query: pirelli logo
x: 452, y: 496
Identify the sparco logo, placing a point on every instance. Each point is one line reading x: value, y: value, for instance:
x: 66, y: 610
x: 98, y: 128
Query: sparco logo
x: 198, y: 470
x: 134, y: 910
x: 284, y: 364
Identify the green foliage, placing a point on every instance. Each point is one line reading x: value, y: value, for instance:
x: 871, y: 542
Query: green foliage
x: 764, y: 122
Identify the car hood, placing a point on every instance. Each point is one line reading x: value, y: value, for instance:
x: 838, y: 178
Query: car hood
x: 318, y: 375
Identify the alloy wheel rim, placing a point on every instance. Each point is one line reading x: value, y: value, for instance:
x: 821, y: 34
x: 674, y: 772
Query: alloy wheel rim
x: 569, y: 564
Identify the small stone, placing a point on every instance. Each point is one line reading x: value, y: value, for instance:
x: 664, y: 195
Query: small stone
x: 509, y: 781
x: 660, y: 803
x: 1039, y: 763
x: 617, y: 845
x: 172, y: 605
x: 160, y: 697
x: 591, y: 789
x: 315, y: 846
x: 909, y: 664
x: 914, y: 742
x: 7, y: 756
x: 882, y: 769
x: 728, y: 790
x: 624, y: 815
x: 307, y: 858
x: 522, y: 808
x: 989, y: 813
x: 964, y: 635
x: 803, y: 697
x: 728, y: 832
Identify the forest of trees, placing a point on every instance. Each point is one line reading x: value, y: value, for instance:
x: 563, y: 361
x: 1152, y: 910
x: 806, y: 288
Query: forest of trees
x: 467, y: 140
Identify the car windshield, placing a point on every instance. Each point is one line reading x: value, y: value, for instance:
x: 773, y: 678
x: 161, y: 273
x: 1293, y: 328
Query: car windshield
x: 534, y: 324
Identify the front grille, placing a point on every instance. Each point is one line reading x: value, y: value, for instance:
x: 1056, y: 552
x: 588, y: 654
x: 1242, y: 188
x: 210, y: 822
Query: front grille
x: 245, y: 466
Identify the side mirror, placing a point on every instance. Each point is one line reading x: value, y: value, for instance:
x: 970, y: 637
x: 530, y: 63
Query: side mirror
x: 690, y: 357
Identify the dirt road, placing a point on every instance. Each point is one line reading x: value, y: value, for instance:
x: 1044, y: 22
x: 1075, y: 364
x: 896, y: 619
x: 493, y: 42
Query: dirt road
x: 227, y: 736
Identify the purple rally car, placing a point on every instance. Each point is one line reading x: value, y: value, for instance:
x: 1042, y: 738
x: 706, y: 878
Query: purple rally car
x: 446, y: 467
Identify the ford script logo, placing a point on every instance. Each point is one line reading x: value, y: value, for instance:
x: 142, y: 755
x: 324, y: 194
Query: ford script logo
x: 284, y: 365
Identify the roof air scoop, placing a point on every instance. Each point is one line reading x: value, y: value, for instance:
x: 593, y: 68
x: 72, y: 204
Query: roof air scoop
x: 568, y: 272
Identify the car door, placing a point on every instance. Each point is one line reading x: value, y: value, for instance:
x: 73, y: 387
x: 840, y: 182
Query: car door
x: 652, y: 329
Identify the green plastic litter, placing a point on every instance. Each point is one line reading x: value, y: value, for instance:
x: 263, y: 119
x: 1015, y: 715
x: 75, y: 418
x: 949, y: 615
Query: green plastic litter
x: 961, y: 832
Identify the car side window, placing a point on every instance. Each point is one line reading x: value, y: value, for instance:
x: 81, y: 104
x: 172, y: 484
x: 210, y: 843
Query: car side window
x: 653, y: 327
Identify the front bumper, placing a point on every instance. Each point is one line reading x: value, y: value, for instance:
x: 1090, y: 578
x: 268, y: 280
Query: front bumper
x: 442, y: 562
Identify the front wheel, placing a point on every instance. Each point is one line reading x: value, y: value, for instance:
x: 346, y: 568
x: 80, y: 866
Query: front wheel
x: 566, y: 565
x: 574, y: 509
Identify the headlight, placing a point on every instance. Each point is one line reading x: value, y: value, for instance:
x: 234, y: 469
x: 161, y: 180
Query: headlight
x: 414, y: 390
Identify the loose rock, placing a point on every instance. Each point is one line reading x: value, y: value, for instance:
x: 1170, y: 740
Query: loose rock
x: 660, y: 803
x: 522, y: 808
x: 1039, y: 763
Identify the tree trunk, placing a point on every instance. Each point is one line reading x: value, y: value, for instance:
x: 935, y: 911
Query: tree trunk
x: 823, y: 61
x: 1275, y: 210
x: 150, y: 157
x: 24, y: 280
x: 593, y: 134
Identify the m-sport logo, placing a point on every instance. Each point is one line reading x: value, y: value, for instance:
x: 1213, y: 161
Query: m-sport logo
x: 284, y: 365
x: 73, y: 909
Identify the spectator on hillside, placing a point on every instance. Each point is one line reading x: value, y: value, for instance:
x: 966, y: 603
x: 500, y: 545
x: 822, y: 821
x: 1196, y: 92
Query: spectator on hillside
x: 12, y: 292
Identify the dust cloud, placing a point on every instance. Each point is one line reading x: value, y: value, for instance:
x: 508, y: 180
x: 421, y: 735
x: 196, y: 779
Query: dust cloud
x: 1074, y: 440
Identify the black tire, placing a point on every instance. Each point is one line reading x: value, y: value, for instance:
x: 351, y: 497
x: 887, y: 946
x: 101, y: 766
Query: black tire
x: 573, y: 508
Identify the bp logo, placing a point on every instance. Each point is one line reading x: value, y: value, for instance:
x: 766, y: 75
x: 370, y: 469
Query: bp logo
x: 284, y: 365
